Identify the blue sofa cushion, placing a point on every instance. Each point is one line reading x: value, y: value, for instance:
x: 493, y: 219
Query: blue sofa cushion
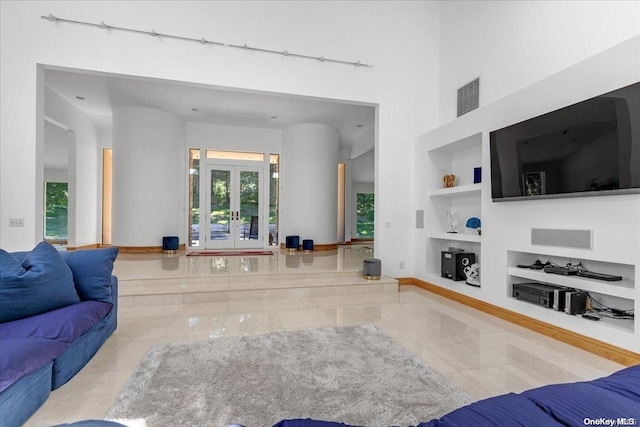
x: 64, y: 324
x: 41, y: 283
x: 507, y: 410
x: 625, y: 382
x: 571, y: 404
x: 23, y: 356
x: 92, y: 271
x: 308, y: 422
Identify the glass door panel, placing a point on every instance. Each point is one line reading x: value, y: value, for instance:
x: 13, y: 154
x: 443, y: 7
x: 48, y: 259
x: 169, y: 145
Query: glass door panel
x: 220, y: 205
x: 194, y: 198
x: 249, y: 205
x: 234, y: 207
x: 274, y: 180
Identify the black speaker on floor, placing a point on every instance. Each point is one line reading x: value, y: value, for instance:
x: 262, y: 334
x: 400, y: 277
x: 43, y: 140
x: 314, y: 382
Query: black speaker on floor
x: 453, y: 264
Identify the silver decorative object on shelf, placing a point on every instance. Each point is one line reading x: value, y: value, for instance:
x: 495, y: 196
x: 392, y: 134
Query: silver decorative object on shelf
x: 452, y: 227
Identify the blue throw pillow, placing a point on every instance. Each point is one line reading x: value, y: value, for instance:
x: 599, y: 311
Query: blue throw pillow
x: 92, y: 271
x: 41, y: 283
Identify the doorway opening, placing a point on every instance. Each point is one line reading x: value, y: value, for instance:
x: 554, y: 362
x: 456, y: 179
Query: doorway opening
x: 228, y: 195
x: 234, y: 207
x: 239, y: 112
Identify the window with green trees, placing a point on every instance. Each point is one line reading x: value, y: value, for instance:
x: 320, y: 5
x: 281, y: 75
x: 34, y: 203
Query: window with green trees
x: 194, y: 197
x: 365, y: 215
x: 56, y: 207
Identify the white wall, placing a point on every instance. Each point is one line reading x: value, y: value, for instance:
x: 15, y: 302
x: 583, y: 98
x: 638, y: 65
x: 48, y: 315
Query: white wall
x: 512, y: 44
x: 220, y: 137
x: 403, y: 81
x: 149, y: 176
x: 56, y: 147
x: 363, y: 168
x: 56, y: 175
x: 309, y: 202
x: 83, y: 173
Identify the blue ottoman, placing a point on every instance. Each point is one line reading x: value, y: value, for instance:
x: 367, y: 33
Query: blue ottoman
x: 307, y: 245
x: 292, y: 243
x: 170, y: 244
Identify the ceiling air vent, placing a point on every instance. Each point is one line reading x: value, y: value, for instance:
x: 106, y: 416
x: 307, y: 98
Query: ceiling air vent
x: 468, y: 97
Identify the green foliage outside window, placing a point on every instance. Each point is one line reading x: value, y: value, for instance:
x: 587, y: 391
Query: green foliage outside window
x: 56, y: 207
x: 365, y: 215
x: 221, y: 196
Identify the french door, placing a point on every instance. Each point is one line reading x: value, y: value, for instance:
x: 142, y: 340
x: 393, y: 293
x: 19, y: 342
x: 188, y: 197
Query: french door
x: 234, y: 207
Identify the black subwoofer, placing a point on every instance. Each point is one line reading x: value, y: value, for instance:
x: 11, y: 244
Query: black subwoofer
x: 453, y: 264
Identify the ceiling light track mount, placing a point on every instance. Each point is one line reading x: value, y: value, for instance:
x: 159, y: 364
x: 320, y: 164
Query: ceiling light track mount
x: 204, y: 42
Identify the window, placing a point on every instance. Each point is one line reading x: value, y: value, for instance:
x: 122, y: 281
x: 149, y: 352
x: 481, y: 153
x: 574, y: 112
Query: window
x: 235, y: 155
x: 55, y: 208
x: 194, y: 197
x: 364, y: 215
x: 274, y: 192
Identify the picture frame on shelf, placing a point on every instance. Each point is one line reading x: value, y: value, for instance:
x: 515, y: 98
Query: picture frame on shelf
x: 533, y: 183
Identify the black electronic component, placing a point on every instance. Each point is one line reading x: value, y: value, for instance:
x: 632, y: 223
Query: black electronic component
x: 558, y: 298
x: 599, y: 276
x: 538, y: 265
x: 537, y: 293
x: 564, y: 271
x: 575, y: 302
x: 454, y: 262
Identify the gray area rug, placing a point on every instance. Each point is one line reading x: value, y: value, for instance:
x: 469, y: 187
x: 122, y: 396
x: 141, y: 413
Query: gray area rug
x: 352, y: 374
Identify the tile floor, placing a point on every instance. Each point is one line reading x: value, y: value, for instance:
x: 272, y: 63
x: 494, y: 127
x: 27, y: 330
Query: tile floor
x: 485, y: 356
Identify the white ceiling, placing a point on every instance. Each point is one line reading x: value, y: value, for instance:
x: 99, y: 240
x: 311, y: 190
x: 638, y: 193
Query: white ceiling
x: 225, y: 106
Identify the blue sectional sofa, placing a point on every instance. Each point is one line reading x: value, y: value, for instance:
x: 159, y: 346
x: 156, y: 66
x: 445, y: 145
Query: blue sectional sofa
x: 608, y: 401
x: 56, y: 311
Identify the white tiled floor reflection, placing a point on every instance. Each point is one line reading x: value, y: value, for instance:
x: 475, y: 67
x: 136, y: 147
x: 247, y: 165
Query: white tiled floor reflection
x: 160, y: 266
x: 484, y: 355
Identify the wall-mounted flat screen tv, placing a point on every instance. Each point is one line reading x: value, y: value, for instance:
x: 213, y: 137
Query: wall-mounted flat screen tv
x: 591, y: 148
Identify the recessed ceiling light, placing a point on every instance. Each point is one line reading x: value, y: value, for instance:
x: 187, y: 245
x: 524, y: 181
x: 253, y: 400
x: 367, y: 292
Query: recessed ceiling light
x: 80, y: 98
x: 195, y: 109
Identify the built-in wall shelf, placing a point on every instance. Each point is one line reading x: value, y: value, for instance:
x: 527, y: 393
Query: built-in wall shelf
x: 621, y: 289
x: 455, y: 237
x: 621, y: 327
x: 619, y: 294
x: 440, y: 145
x: 460, y: 146
x: 468, y: 189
